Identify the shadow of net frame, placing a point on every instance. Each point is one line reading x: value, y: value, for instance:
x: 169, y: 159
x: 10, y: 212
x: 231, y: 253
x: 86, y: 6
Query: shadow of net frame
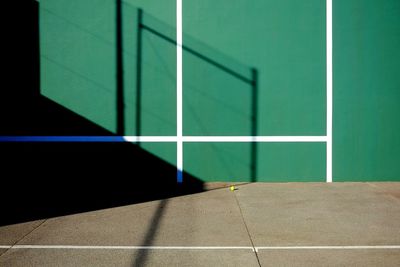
x: 142, y: 26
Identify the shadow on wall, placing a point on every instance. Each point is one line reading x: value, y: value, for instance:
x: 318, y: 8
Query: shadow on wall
x: 83, y: 48
x: 42, y: 180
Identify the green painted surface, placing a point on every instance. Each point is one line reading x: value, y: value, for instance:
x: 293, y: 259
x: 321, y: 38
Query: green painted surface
x: 366, y: 90
x: 158, y: 69
x: 158, y: 81
x: 77, y: 46
x: 278, y: 162
x: 217, y: 92
x: 218, y: 161
x: 206, y: 108
x: 292, y: 162
x: 283, y: 39
x: 79, y: 43
x: 78, y: 64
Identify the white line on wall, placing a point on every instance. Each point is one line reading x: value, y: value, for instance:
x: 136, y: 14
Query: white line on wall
x: 329, y: 90
x: 222, y: 139
x: 163, y: 139
x: 179, y: 91
x: 254, y: 138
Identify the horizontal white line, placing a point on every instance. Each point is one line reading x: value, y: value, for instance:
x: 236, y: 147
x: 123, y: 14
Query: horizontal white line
x: 326, y: 247
x: 136, y: 139
x: 199, y: 247
x: 254, y: 138
x: 125, y: 247
x: 226, y: 138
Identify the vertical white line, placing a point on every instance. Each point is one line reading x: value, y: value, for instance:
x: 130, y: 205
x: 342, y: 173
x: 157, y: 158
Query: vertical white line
x: 329, y: 89
x: 179, y: 82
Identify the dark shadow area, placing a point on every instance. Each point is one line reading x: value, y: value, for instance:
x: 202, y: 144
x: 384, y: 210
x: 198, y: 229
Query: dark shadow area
x: 254, y: 124
x: 23, y: 110
x: 42, y: 180
x: 38, y: 115
x: 120, y: 70
x: 20, y: 50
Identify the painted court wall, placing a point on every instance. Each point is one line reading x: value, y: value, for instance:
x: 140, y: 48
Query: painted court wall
x: 285, y: 40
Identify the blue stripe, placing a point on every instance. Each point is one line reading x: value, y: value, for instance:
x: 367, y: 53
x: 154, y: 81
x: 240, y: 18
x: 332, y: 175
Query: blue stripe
x: 15, y: 139
x: 179, y: 176
x: 62, y: 139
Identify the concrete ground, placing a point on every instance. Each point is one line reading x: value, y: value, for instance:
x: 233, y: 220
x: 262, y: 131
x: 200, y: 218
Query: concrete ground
x: 259, y: 224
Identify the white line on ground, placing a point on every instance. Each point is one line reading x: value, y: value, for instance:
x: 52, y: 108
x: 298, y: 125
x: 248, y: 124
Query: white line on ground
x: 126, y: 247
x: 326, y: 247
x: 200, y: 247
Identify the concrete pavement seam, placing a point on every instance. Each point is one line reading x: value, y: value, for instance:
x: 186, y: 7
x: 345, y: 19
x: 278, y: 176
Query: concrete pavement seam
x: 19, y: 240
x: 247, y: 230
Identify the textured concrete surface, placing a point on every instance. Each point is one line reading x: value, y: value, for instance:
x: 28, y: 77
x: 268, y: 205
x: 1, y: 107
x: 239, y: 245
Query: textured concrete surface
x: 192, y: 220
x: 320, y: 214
x: 330, y: 258
x: 10, y: 234
x: 294, y: 214
x: 31, y: 257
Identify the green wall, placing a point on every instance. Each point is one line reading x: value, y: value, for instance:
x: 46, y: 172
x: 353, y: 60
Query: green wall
x: 283, y: 39
x: 366, y: 90
x: 78, y: 65
x: 77, y: 44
